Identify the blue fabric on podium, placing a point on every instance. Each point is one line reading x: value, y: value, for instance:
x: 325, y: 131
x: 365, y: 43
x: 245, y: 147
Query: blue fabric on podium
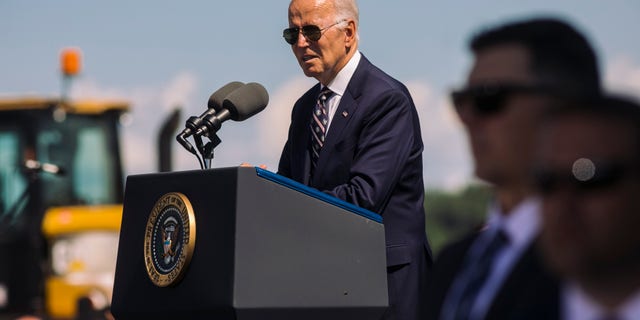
x: 292, y: 184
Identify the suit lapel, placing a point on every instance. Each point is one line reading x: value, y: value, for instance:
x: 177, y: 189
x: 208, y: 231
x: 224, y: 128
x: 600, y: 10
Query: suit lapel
x: 528, y: 290
x: 342, y: 118
x: 340, y: 121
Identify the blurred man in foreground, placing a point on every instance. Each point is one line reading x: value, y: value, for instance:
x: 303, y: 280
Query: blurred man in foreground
x: 521, y: 70
x: 588, y: 175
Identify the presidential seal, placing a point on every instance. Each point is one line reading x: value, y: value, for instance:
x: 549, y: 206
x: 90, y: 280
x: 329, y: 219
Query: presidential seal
x: 169, y: 239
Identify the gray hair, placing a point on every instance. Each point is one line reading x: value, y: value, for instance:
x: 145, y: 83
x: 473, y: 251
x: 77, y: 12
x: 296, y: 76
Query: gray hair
x: 346, y: 9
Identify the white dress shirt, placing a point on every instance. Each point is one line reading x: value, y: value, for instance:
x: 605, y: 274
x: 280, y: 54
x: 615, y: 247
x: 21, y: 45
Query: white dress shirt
x: 339, y: 85
x: 577, y: 305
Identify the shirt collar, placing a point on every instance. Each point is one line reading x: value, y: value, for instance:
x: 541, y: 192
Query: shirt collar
x: 339, y: 84
x: 521, y: 225
x: 631, y: 308
x: 578, y: 305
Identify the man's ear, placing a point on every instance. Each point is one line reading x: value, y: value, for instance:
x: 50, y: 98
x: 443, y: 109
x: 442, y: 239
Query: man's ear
x: 350, y: 31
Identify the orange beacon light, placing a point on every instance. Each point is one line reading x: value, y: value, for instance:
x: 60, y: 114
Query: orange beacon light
x: 70, y: 61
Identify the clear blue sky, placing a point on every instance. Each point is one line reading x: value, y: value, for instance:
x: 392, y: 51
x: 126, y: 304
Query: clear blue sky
x: 159, y: 54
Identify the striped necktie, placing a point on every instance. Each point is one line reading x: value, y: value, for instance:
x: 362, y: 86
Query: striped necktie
x: 318, y: 126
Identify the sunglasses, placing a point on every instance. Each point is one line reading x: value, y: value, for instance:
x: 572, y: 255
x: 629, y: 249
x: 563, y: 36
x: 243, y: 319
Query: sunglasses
x: 310, y: 32
x: 490, y: 99
x: 585, y: 176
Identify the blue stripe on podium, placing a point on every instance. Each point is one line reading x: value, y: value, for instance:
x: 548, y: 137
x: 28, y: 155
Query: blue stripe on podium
x: 292, y: 184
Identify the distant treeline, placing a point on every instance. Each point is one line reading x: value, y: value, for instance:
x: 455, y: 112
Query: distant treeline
x: 450, y: 215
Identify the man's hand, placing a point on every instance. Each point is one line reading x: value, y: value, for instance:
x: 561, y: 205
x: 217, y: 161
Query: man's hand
x: 245, y: 164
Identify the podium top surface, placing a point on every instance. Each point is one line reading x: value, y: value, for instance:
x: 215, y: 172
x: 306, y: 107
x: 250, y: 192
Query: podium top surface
x: 292, y: 184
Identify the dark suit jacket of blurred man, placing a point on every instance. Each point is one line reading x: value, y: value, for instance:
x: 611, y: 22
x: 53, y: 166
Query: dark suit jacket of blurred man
x: 372, y: 157
x: 529, y: 291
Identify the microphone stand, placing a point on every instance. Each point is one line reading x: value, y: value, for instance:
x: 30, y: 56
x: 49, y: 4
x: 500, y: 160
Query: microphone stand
x: 207, y: 150
x: 183, y: 141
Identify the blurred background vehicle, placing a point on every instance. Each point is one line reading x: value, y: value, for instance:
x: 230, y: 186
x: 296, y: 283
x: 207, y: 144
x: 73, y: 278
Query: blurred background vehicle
x: 61, y: 189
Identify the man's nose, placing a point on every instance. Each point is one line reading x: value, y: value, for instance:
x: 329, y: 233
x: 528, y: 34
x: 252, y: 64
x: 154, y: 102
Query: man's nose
x: 465, y: 113
x: 302, y: 40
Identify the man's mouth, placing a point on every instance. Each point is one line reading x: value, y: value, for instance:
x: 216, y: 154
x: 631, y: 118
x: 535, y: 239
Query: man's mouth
x: 306, y: 58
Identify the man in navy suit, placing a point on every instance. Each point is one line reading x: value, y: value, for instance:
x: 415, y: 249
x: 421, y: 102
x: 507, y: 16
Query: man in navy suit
x: 365, y: 145
x: 521, y: 69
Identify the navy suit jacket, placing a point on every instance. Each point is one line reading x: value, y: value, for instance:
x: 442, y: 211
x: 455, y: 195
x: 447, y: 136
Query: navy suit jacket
x: 372, y: 157
x: 530, y: 291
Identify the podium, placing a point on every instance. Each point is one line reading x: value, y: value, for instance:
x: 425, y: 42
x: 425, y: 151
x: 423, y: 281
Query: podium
x: 245, y: 243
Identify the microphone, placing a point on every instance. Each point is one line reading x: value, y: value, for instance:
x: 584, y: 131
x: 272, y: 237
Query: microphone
x: 214, y: 104
x: 37, y: 166
x: 239, y: 105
